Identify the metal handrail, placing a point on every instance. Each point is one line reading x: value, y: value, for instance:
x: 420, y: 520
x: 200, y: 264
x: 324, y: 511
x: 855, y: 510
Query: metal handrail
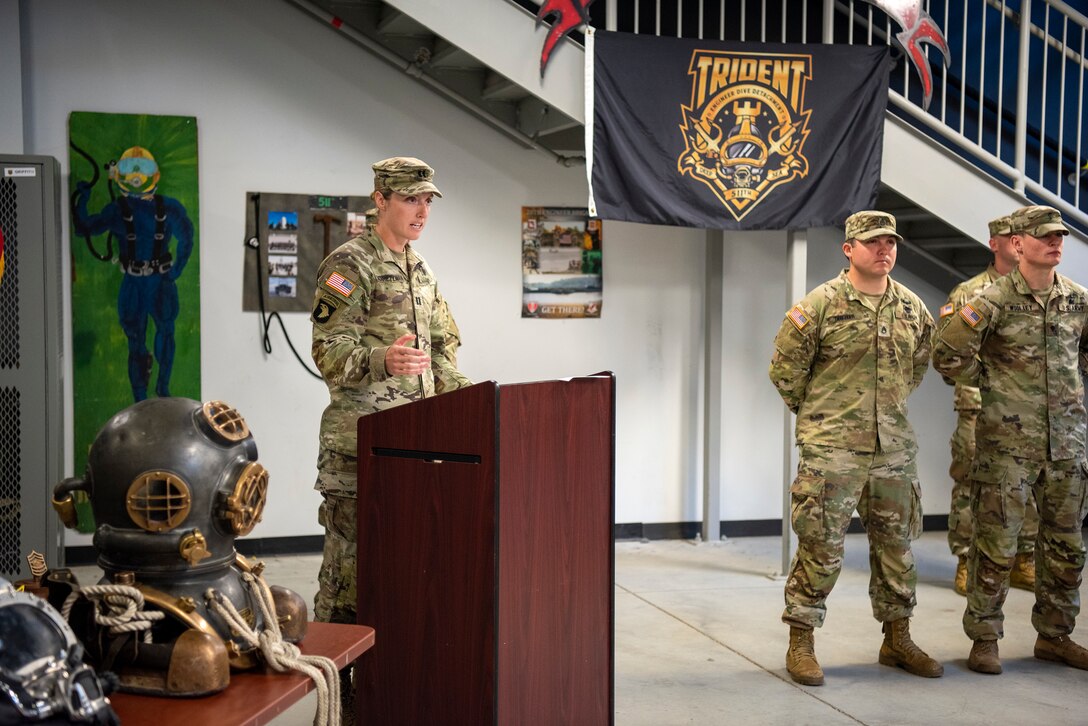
x: 1047, y: 180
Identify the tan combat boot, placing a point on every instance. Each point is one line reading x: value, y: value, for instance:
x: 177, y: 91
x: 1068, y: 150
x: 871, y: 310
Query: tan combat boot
x: 984, y: 657
x: 1023, y: 571
x: 801, y: 658
x: 1062, y: 649
x: 960, y: 584
x: 899, y: 650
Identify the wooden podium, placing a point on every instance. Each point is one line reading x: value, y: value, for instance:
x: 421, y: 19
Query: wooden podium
x: 486, y: 561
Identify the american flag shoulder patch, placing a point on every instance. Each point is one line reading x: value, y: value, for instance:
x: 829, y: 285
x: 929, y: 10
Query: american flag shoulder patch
x: 798, y: 317
x: 947, y: 309
x: 970, y: 315
x: 339, y: 284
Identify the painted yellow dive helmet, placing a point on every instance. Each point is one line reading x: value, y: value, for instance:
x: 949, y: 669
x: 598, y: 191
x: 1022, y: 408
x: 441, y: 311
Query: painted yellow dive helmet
x: 136, y: 172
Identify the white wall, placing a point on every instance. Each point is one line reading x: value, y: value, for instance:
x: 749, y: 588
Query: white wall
x: 754, y: 301
x: 285, y: 104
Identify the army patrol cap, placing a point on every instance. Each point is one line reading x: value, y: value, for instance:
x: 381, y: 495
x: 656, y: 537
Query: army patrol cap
x: 1000, y: 226
x: 405, y: 175
x: 1037, y: 220
x: 868, y: 224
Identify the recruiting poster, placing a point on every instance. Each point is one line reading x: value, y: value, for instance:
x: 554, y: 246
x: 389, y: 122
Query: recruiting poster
x: 135, y: 264
x: 560, y: 263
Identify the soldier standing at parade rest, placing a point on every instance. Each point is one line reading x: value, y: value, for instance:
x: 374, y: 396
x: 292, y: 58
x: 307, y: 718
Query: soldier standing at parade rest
x: 379, y: 331
x: 1023, y: 341
x: 967, y: 403
x: 846, y: 358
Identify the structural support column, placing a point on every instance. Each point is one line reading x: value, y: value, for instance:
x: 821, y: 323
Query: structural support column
x: 1023, y: 66
x: 712, y: 386
x: 796, y: 279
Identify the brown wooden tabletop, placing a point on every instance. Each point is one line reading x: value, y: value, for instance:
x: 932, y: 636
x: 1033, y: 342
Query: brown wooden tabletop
x: 253, y: 698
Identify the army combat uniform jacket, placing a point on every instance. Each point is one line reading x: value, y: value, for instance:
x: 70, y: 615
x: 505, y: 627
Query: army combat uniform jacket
x: 846, y: 368
x: 1027, y: 359
x: 368, y: 296
x: 966, y: 398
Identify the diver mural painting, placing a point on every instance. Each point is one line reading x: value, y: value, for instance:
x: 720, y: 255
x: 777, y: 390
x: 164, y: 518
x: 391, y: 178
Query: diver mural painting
x: 135, y: 264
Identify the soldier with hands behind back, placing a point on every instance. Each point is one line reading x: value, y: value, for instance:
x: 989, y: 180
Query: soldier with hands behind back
x: 967, y: 403
x: 1023, y: 342
x: 846, y: 358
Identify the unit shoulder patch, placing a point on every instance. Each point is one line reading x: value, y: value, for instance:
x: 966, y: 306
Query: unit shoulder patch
x: 970, y: 315
x: 325, y: 309
x: 798, y: 317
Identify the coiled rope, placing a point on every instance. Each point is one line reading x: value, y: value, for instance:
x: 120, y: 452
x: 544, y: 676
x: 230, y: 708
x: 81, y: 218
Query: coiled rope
x: 279, y: 654
x: 118, y: 607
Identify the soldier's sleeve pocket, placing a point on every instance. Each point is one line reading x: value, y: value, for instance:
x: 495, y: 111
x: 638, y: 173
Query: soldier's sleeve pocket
x: 807, y: 505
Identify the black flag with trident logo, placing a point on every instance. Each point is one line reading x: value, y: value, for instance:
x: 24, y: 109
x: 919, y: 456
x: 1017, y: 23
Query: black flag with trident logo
x: 722, y: 135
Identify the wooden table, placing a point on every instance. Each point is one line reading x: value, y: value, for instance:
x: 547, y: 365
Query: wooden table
x: 254, y: 697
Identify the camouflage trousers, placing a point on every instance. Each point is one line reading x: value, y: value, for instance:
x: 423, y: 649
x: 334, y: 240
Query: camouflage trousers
x: 335, y: 599
x: 831, y: 483
x: 960, y: 523
x: 1000, y: 487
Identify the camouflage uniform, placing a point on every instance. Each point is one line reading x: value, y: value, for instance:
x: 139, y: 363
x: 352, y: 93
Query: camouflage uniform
x: 846, y: 366
x: 453, y: 336
x: 967, y: 402
x: 367, y: 297
x: 453, y: 333
x: 1027, y: 359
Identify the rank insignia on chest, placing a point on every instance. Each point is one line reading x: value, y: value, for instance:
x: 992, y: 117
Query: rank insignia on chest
x: 947, y: 309
x: 883, y: 330
x: 798, y: 317
x: 970, y: 315
x: 339, y: 284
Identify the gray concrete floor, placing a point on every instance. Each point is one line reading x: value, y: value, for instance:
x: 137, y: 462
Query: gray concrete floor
x: 699, y: 641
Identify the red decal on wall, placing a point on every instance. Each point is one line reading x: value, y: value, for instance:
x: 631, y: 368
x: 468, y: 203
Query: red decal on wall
x: 566, y: 15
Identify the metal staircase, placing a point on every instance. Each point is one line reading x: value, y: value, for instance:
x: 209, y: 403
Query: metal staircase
x: 414, y: 44
x: 1020, y: 140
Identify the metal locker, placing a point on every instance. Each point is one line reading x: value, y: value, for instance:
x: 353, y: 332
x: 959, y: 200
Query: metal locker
x: 31, y: 358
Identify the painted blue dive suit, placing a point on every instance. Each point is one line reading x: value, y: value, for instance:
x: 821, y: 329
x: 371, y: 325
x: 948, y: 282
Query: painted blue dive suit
x: 144, y: 224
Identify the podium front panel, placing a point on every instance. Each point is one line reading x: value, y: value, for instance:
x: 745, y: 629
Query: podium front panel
x: 426, y: 560
x: 556, y: 552
x: 485, y: 556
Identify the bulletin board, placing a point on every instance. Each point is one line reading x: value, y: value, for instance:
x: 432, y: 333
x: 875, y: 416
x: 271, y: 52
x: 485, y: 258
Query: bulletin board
x: 287, y: 237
